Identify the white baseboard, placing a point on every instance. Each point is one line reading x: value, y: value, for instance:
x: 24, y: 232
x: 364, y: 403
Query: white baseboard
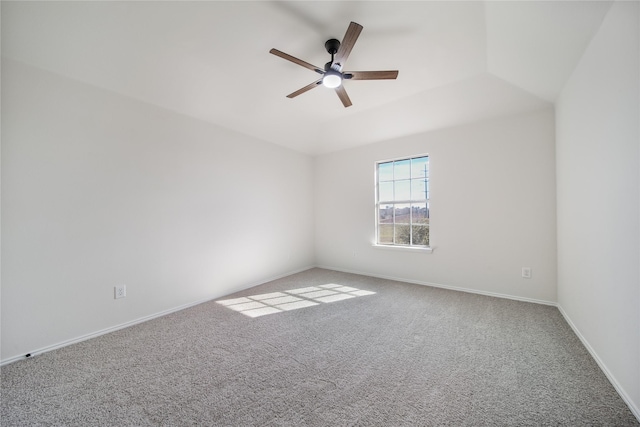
x: 623, y: 394
x: 138, y: 320
x: 438, y: 285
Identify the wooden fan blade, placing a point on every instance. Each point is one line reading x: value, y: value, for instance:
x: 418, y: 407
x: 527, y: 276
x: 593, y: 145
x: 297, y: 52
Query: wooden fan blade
x: 295, y: 60
x: 305, y: 89
x: 372, y: 75
x: 342, y: 94
x: 350, y: 37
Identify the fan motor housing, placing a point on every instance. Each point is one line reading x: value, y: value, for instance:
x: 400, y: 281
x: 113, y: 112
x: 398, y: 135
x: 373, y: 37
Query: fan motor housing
x: 332, y: 46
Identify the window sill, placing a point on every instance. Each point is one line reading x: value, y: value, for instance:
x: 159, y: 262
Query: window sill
x: 404, y: 248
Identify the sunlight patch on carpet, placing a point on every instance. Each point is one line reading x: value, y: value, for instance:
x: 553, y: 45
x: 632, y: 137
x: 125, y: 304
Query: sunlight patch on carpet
x: 303, y: 290
x: 293, y: 299
x: 260, y: 311
x: 334, y: 298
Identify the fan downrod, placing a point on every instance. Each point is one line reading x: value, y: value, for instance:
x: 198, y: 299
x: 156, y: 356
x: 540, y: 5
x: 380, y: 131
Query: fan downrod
x: 332, y: 46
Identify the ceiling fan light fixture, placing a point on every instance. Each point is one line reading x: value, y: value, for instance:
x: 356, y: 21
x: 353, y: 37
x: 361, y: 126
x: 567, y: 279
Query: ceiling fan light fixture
x: 332, y: 80
x: 332, y: 75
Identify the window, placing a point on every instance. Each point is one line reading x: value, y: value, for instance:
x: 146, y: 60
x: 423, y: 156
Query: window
x: 402, y: 202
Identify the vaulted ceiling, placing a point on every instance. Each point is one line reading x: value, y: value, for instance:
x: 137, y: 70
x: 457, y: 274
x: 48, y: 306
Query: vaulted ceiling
x: 459, y: 62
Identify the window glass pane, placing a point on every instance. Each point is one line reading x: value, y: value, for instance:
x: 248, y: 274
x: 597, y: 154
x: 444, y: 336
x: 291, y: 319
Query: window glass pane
x: 402, y: 169
x: 385, y: 191
x: 385, y: 171
x: 385, y: 233
x: 420, y: 167
x: 403, y: 234
x: 418, y: 189
x: 402, y: 202
x: 419, y: 213
x: 420, y: 235
x: 402, y: 190
x: 402, y: 213
x: 385, y: 215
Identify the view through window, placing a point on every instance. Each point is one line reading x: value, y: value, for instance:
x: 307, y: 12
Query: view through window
x: 402, y: 202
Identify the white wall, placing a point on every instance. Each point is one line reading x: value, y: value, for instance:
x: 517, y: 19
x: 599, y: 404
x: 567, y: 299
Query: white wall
x: 598, y: 199
x: 100, y: 190
x: 492, y: 208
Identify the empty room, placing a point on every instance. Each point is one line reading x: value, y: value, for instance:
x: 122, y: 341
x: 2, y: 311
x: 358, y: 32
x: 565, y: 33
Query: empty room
x: 318, y: 213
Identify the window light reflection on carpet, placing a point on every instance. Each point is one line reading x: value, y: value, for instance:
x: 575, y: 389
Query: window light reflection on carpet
x: 293, y: 299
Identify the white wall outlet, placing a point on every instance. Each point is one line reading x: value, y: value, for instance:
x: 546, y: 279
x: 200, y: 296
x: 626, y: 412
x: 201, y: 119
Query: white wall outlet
x: 120, y: 291
x: 526, y: 272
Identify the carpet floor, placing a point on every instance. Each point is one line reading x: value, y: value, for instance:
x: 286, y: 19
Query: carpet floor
x: 323, y: 348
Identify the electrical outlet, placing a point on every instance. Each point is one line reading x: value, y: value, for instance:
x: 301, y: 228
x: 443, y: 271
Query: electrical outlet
x: 526, y: 272
x: 120, y: 291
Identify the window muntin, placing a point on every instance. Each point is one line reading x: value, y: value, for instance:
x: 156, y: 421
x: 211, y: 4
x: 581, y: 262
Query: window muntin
x: 402, y: 202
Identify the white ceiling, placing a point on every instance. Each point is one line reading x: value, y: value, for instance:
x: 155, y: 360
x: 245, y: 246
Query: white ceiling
x: 459, y: 62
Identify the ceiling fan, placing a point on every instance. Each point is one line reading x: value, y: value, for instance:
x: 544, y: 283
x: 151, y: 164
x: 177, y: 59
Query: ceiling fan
x: 332, y: 74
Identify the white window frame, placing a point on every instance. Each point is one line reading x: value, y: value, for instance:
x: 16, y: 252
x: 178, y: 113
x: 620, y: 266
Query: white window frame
x: 411, y: 200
